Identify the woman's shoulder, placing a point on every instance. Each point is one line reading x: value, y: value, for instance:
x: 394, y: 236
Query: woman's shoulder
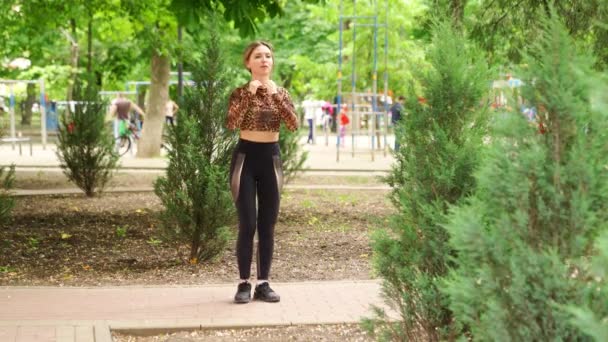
x: 282, y: 91
x: 240, y: 89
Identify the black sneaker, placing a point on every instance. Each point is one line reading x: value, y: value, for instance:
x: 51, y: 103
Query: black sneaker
x: 243, y: 293
x: 264, y: 293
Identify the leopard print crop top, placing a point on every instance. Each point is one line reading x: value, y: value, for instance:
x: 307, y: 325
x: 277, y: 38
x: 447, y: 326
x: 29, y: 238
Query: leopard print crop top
x: 261, y: 111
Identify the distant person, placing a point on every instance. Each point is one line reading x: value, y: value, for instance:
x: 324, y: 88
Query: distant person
x: 257, y: 109
x: 309, y: 116
x: 344, y: 121
x: 369, y: 98
x: 327, y: 116
x: 385, y: 102
x: 171, y: 109
x: 335, y: 113
x: 2, y: 112
x: 396, y: 115
x: 120, y: 109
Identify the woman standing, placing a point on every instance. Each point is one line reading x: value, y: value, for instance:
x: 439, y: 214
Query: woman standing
x: 257, y: 109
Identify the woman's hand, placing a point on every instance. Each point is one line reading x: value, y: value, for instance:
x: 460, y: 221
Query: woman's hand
x: 254, y: 85
x: 271, y: 86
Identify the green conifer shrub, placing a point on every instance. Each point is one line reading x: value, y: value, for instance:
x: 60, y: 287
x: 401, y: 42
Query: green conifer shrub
x: 86, y: 147
x: 292, y: 156
x: 7, y: 180
x: 440, y: 147
x: 524, y: 237
x: 195, y: 190
x: 591, y: 318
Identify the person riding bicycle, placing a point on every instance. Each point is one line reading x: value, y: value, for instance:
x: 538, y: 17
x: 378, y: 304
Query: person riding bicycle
x: 121, y: 107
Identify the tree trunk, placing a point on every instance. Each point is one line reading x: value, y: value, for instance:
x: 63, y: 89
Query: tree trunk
x: 73, y: 61
x: 26, y: 114
x: 194, y: 247
x: 149, y: 145
x: 457, y: 9
x: 90, y: 45
x: 141, y: 98
x: 180, y: 65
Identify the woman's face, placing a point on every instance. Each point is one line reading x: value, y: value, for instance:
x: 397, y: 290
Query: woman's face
x: 260, y: 61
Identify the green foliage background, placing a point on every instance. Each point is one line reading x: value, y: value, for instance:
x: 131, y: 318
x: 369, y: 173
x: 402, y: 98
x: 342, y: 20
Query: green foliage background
x: 86, y: 147
x: 7, y: 202
x: 524, y: 239
x: 443, y: 139
x: 195, y: 193
x: 305, y: 34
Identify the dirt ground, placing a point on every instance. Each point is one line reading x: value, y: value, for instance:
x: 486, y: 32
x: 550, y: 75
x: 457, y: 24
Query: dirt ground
x: 299, y: 333
x: 53, y: 178
x: 113, y: 240
x: 71, y: 240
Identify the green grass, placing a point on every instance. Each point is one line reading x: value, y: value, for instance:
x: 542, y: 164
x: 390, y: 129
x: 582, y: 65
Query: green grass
x: 7, y: 269
x: 121, y: 231
x: 308, y: 204
x: 352, y: 180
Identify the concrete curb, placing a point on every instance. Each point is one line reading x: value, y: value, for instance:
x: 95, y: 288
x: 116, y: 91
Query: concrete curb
x: 91, y: 314
x: 76, y: 191
x: 157, y: 328
x: 162, y: 169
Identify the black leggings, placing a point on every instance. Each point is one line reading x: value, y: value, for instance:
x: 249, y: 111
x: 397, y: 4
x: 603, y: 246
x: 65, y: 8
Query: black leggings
x: 256, y: 170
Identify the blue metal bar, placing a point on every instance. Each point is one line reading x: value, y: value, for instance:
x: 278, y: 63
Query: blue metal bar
x: 140, y: 83
x: 11, y: 102
x: 43, y: 115
x: 18, y: 81
x: 386, y: 79
x: 42, y: 100
x: 353, y: 75
x: 110, y: 92
x: 358, y: 16
x: 375, y: 79
x: 354, y: 72
x: 339, y: 96
x: 370, y: 25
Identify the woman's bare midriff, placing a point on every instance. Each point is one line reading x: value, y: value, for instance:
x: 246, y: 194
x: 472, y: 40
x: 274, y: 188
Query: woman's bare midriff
x: 260, y: 136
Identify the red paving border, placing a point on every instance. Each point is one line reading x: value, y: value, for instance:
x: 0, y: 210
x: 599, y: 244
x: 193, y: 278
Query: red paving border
x: 87, y: 314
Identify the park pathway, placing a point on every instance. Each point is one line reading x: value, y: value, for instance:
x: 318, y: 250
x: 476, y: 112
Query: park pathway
x: 72, y: 314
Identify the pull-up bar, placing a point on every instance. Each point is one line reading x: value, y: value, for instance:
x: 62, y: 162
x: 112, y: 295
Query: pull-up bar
x: 20, y: 81
x: 358, y: 17
x: 140, y: 83
x: 376, y: 132
x: 371, y: 25
x: 11, y: 84
x: 113, y: 92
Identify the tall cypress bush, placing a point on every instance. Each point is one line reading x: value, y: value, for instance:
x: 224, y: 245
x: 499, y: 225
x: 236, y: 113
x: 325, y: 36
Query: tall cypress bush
x: 86, y: 147
x: 524, y: 237
x: 195, y: 190
x: 7, y: 180
x: 292, y: 156
x: 591, y: 318
x: 441, y: 144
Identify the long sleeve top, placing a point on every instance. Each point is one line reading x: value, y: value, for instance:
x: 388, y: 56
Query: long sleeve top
x: 261, y: 111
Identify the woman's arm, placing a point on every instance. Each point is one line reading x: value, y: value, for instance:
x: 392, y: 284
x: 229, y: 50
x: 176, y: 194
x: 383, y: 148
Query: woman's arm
x: 239, y: 100
x: 286, y: 108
